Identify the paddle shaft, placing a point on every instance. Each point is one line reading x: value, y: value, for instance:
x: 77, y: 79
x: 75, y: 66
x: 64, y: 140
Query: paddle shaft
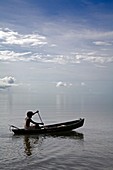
x: 40, y: 117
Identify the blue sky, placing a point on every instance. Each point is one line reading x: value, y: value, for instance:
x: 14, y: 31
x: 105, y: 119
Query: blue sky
x: 64, y: 37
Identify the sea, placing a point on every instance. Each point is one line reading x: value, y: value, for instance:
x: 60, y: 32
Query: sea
x: 87, y: 148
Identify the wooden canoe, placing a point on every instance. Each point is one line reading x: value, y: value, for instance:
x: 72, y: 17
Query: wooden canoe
x: 49, y: 129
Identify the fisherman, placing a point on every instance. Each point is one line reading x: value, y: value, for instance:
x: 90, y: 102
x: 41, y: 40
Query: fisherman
x: 28, y: 120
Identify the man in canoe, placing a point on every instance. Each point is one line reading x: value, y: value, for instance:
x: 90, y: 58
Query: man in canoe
x: 28, y: 120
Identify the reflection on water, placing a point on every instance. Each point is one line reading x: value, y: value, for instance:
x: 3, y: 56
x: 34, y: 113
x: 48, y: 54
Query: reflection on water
x: 30, y: 141
x: 28, y: 148
x: 69, y: 134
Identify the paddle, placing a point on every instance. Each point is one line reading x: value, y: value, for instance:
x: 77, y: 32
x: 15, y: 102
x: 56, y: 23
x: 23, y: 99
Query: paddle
x: 40, y: 118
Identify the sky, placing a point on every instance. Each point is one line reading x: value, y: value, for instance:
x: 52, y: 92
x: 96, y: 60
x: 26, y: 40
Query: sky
x: 60, y: 41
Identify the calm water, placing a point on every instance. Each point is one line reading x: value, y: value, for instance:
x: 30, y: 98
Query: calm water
x: 89, y: 148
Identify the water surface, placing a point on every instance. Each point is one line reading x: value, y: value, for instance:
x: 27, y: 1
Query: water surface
x: 90, y: 147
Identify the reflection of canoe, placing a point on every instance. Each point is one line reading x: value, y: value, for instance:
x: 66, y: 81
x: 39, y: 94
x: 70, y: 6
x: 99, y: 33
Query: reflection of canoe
x: 67, y: 135
x: 53, y: 128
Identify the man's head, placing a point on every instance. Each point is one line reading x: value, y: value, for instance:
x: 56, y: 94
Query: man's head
x: 29, y: 114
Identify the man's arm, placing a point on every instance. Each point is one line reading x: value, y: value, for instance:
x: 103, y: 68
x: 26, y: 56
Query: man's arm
x: 35, y: 112
x: 36, y: 122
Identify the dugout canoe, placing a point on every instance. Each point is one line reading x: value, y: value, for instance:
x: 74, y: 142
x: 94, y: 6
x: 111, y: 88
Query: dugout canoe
x: 49, y: 129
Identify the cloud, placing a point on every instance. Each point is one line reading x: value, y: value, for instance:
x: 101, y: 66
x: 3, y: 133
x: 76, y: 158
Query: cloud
x: 75, y: 58
x: 63, y: 84
x: 92, y: 57
x: 83, y: 84
x: 67, y: 46
x: 11, y: 37
x: 7, y: 82
x: 7, y: 55
x: 99, y: 59
x: 102, y: 43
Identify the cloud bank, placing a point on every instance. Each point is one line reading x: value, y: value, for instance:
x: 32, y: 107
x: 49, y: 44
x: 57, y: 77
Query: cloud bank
x: 15, y: 46
x: 77, y: 58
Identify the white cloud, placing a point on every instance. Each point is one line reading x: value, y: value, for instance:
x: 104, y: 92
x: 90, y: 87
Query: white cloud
x: 77, y: 58
x: 99, y: 59
x: 13, y: 56
x: 65, y: 47
x: 102, y: 43
x: 63, y: 84
x: 93, y: 57
x: 11, y: 37
x: 7, y: 82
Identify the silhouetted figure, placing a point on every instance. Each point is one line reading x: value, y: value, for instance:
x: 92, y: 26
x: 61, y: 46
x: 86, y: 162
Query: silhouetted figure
x: 28, y: 120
